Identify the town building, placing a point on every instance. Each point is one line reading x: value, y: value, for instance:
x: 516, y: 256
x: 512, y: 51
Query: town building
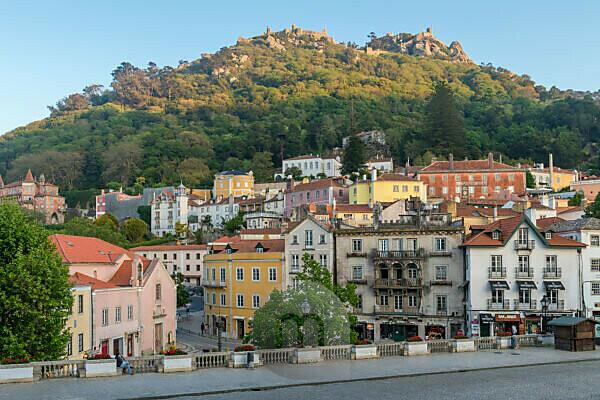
x: 233, y: 183
x: 471, y: 179
x: 239, y: 276
x: 589, y: 187
x: 214, y: 212
x: 512, y: 268
x: 311, y: 237
x: 368, y: 137
x: 380, y: 163
x: 263, y: 213
x: 36, y: 195
x: 167, y: 210
x: 319, y: 192
x: 409, y: 275
x: 386, y: 188
x: 551, y: 177
x: 79, y: 324
x: 133, y: 299
x: 124, y: 206
x: 184, y: 259
x: 270, y: 189
x: 587, y: 231
x: 353, y: 214
x: 472, y: 215
x: 313, y: 166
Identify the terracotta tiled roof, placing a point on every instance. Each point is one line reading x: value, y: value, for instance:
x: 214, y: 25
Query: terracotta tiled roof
x: 396, y: 177
x: 123, y: 275
x: 544, y: 223
x: 561, y: 210
x: 304, y: 157
x: 167, y: 247
x: 353, y: 208
x: 29, y: 176
x: 81, y: 279
x: 262, y: 231
x: 81, y: 249
x: 468, y: 165
x: 249, y: 246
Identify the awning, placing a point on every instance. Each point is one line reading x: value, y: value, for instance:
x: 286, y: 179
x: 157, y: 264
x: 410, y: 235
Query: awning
x: 554, y: 285
x: 499, y: 285
x: 526, y: 285
x: 508, y: 317
x: 486, y: 318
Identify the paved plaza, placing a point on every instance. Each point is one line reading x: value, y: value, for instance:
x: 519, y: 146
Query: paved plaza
x: 361, y: 375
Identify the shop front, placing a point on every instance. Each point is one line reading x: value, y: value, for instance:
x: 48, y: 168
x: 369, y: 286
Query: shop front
x: 365, y: 330
x: 533, y: 324
x: 486, y: 322
x: 397, y: 331
x: 507, y: 323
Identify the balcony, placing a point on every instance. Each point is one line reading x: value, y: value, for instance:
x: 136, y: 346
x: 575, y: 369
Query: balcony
x: 358, y: 281
x: 526, y: 274
x: 398, y: 283
x: 495, y: 305
x: 532, y: 305
x: 213, y: 284
x: 392, y: 310
x: 440, y: 253
x: 356, y: 254
x: 399, y: 254
x: 558, y: 306
x: 496, y: 272
x: 295, y: 269
x: 524, y: 244
x: 552, y: 273
x: 440, y: 282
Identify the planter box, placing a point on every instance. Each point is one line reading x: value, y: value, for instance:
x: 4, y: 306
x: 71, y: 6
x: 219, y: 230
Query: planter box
x: 182, y: 363
x: 362, y: 352
x: 415, y: 348
x: 307, y: 355
x: 97, y: 368
x: 239, y: 359
x: 16, y: 373
x: 463, y: 345
x: 504, y: 342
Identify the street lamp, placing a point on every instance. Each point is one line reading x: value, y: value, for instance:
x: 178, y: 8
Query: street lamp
x: 305, y: 307
x: 544, y: 302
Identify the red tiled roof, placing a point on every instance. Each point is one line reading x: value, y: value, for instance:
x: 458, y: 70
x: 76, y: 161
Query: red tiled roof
x: 304, y: 157
x: 249, y: 246
x: 396, y: 177
x: 544, y: 223
x: 81, y: 279
x: 29, y: 176
x: 467, y: 165
x: 167, y: 247
x: 353, y: 208
x: 123, y: 275
x: 262, y: 231
x: 562, y: 210
x: 81, y: 249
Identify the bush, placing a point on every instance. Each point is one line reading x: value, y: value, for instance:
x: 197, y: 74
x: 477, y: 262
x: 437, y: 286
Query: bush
x: 415, y: 339
x: 9, y: 360
x: 360, y: 342
x: 461, y: 337
x: 100, y: 356
x: 173, y: 351
x: 504, y: 334
x: 245, y: 347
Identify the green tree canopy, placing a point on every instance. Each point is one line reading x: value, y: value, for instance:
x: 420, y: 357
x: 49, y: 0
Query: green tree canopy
x: 134, y: 230
x: 35, y: 296
x: 445, y: 127
x: 85, y: 227
x: 354, y: 155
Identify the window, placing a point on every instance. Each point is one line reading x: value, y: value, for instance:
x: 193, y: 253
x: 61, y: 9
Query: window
x: 256, y: 274
x: 396, y: 188
x: 165, y: 256
x: 222, y: 272
x: 214, y: 298
x: 70, y: 345
x: 404, y: 188
x: 383, y: 300
x: 595, y: 288
x: 416, y: 189
x: 384, y: 245
x: 323, y: 260
x: 240, y: 301
x: 197, y: 268
x: 187, y: 267
x: 397, y: 302
x: 272, y: 274
x: 239, y: 274
x: 524, y: 296
x: 104, y: 316
x: 496, y: 263
x: 548, y: 235
x: 551, y: 264
x: 442, y: 304
x: 157, y: 292
x: 129, y: 312
x: 523, y: 264
x: 80, y: 304
x: 308, y: 238
x: 187, y: 256
x: 552, y: 296
x: 214, y: 274
x: 255, y: 301
x: 322, y: 239
x: 441, y: 273
x: 117, y: 315
x: 497, y: 296
x: 356, y: 245
x: 445, y: 190
x: 412, y: 301
x: 595, y: 240
x: 295, y: 239
x: 412, y: 273
x: 295, y: 262
x: 432, y: 191
x: 495, y: 235
x: 357, y: 272
x: 440, y: 244
x: 197, y: 256
x: 445, y: 178
x: 80, y: 342
x: 223, y: 299
x: 595, y: 264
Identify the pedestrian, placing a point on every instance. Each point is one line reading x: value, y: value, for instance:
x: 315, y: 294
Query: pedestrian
x: 202, y: 328
x: 122, y: 363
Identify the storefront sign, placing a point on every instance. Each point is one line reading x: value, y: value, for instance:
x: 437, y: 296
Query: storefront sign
x: 554, y: 285
x: 474, y: 329
x: 508, y: 318
x: 486, y: 318
x: 499, y: 285
x: 527, y: 285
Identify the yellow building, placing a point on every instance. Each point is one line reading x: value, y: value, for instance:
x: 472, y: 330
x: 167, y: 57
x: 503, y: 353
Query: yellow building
x: 233, y: 183
x: 79, y: 323
x: 388, y: 188
x: 238, y: 279
x: 354, y: 214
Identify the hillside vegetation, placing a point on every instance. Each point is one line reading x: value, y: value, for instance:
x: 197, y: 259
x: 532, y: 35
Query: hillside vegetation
x: 292, y: 92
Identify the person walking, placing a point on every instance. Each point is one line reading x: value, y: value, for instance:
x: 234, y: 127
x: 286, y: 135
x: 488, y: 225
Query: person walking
x: 202, y: 328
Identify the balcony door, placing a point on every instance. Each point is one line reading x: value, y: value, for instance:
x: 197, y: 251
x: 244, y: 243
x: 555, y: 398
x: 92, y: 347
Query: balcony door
x: 523, y: 264
x: 497, y: 296
x: 411, y: 244
x: 523, y: 235
x: 551, y: 264
x: 496, y: 264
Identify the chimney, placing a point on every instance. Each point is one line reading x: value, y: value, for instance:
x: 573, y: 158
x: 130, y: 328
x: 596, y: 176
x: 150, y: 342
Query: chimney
x: 374, y: 174
x: 551, y: 167
x: 491, y: 160
x: 495, y: 214
x: 451, y: 161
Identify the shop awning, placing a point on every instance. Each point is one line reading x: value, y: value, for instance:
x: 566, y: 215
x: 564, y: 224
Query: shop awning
x: 554, y: 285
x: 526, y: 285
x: 499, y: 285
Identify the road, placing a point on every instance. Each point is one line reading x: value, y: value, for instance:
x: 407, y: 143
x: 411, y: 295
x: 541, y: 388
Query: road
x: 570, y: 381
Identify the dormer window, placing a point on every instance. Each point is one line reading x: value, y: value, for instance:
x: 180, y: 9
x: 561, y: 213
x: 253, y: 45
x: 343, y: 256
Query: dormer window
x: 495, y: 235
x: 548, y: 235
x: 259, y: 248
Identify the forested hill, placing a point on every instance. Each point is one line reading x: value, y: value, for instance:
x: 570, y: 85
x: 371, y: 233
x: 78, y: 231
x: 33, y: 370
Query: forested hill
x: 300, y: 91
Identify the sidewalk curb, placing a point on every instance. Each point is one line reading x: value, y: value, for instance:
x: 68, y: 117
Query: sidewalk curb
x: 339, y: 381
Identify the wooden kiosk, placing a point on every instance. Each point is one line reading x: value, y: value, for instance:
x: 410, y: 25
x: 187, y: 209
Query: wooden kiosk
x: 574, y: 333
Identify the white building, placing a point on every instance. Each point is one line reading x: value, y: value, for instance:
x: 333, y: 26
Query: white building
x: 586, y: 231
x: 312, y: 237
x: 380, y: 163
x: 510, y: 268
x: 215, y: 212
x: 168, y: 209
x: 184, y: 259
x: 313, y: 165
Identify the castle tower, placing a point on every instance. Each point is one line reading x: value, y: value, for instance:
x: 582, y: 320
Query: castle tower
x: 181, y: 200
x: 268, y: 30
x: 430, y: 30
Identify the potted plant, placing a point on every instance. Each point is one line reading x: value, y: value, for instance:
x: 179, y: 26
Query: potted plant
x: 463, y: 343
x: 176, y: 360
x: 16, y: 370
x: 415, y: 346
x: 363, y: 349
x: 100, y: 364
x: 244, y: 355
x: 503, y: 340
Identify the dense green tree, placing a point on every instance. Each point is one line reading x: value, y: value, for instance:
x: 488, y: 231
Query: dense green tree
x: 109, y: 221
x: 576, y: 199
x: 294, y: 172
x: 35, y: 296
x: 529, y: 180
x: 85, y: 227
x: 593, y: 210
x: 445, y: 126
x: 183, y: 297
x: 134, y: 230
x: 354, y: 155
x: 233, y: 226
x: 145, y: 213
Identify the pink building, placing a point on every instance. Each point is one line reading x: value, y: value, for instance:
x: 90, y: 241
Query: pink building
x: 320, y: 192
x: 133, y: 299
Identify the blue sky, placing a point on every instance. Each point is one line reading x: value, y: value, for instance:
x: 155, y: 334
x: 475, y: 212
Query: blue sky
x: 50, y: 48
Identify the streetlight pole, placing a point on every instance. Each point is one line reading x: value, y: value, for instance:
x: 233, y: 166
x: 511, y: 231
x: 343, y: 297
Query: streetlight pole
x: 544, y: 303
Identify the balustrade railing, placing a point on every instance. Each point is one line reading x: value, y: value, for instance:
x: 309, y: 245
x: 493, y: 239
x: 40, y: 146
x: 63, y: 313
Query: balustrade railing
x: 439, y: 346
x: 390, y: 349
x: 58, y: 369
x: 144, y: 364
x: 211, y: 360
x: 276, y: 356
x: 343, y: 352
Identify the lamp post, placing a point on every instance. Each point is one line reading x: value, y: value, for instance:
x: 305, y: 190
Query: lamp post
x: 544, y: 303
x: 305, y: 307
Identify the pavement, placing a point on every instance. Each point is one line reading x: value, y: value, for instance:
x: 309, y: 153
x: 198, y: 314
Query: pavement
x: 305, y: 379
x: 190, y: 339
